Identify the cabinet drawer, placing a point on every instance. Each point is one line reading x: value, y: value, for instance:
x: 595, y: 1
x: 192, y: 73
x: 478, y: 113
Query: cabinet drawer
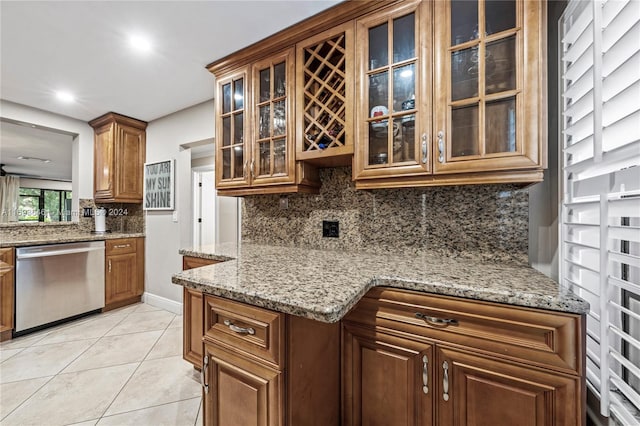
x: 544, y: 338
x: 259, y: 333
x: 120, y: 246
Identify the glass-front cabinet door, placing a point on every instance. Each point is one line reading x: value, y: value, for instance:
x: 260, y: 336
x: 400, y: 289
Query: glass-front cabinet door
x: 232, y: 156
x: 393, y: 126
x: 488, y: 85
x: 273, y: 157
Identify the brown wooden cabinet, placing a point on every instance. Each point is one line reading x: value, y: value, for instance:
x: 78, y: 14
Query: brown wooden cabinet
x: 119, y: 156
x: 386, y: 379
x: 267, y: 368
x: 255, y: 124
x: 7, y: 289
x: 441, y: 93
x: 193, y: 315
x: 444, y: 361
x: 124, y: 271
x: 325, y: 87
x: 482, y: 121
x: 473, y: 389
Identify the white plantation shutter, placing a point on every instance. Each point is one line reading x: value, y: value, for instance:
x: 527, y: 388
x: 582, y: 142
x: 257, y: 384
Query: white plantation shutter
x: 600, y: 123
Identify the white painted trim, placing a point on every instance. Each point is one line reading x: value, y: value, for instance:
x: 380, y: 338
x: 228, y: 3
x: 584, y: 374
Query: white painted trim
x: 162, y: 302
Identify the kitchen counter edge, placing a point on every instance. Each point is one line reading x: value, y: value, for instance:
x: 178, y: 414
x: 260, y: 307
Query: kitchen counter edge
x: 72, y: 238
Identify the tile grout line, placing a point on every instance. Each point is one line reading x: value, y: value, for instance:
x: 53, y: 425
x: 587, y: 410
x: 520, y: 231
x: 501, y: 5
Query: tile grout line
x: 132, y: 374
x: 30, y: 396
x: 156, y: 343
x: 151, y: 406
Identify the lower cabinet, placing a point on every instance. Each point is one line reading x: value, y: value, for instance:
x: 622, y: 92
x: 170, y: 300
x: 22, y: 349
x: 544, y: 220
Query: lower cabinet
x: 476, y: 390
x: 124, y: 271
x: 239, y: 391
x: 386, y: 379
x: 267, y: 368
x: 417, y: 359
x: 7, y: 287
x: 193, y: 317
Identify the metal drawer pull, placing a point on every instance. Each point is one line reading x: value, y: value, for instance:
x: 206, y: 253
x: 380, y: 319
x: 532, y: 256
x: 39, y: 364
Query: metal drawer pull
x: 436, y: 320
x: 425, y: 374
x: 242, y: 330
x: 205, y: 367
x: 445, y: 381
x: 122, y: 245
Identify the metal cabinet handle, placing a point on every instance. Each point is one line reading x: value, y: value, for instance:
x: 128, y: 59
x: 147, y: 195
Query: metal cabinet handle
x: 441, y: 146
x: 205, y: 367
x: 253, y: 161
x: 425, y: 150
x: 436, y: 320
x: 445, y: 381
x: 122, y: 246
x: 109, y: 265
x: 241, y: 330
x: 425, y: 374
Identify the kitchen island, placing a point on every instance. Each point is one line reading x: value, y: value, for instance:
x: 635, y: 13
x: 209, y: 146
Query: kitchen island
x: 382, y: 339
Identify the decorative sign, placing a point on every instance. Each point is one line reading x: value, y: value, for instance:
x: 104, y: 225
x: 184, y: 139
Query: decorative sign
x: 159, y: 181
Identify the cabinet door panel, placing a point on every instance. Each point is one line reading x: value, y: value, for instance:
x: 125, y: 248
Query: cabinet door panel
x: 232, y: 154
x: 121, y: 277
x: 241, y: 392
x: 130, y: 155
x: 473, y: 390
x: 273, y: 156
x: 7, y: 266
x: 393, y: 103
x: 104, y: 162
x: 384, y: 379
x: 489, y: 86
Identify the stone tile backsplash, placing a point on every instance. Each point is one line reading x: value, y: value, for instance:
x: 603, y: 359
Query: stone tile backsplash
x: 486, y: 222
x: 121, y: 217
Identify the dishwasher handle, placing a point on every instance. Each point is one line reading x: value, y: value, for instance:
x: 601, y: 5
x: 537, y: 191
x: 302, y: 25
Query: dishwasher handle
x: 45, y: 253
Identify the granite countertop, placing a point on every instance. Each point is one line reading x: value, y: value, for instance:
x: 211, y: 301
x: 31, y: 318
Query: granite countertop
x: 324, y: 285
x: 71, y: 237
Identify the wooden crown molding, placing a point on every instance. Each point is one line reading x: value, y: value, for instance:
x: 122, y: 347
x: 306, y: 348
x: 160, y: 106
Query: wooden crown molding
x: 111, y: 117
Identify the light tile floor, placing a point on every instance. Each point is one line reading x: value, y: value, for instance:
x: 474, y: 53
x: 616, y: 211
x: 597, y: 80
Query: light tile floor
x: 123, y: 367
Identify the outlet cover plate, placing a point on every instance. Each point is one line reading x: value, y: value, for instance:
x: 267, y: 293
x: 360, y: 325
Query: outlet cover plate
x: 330, y: 229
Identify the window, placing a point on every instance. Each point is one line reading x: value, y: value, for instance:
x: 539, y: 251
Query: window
x: 600, y: 235
x: 44, y: 205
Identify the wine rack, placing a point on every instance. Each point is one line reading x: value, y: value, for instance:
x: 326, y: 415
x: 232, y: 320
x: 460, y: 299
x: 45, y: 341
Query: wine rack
x: 324, y: 102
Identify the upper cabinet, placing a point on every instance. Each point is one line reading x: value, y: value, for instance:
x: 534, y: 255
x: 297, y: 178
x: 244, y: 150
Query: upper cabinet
x: 119, y: 156
x: 394, y: 92
x: 410, y: 92
x: 255, y: 129
x: 324, y: 97
x: 490, y: 86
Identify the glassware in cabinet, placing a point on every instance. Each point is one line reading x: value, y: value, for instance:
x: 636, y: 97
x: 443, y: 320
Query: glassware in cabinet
x: 231, y: 157
x: 393, y: 103
x: 273, y: 157
x: 483, y: 88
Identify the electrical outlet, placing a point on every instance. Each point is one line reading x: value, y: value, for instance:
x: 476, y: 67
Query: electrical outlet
x: 330, y: 229
x: 284, y: 203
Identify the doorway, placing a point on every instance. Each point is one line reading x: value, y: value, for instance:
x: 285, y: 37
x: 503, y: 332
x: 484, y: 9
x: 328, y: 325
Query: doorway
x: 204, y: 207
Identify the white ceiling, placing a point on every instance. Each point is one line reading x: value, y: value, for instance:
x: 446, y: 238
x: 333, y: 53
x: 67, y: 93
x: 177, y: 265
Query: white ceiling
x: 83, y: 47
x: 21, y: 139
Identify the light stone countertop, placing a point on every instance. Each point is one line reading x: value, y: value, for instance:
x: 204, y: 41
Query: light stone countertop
x: 71, y: 237
x: 324, y: 285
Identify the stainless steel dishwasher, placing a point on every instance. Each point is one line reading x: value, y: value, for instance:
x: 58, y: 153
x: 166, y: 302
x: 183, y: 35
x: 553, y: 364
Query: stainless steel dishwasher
x: 58, y: 281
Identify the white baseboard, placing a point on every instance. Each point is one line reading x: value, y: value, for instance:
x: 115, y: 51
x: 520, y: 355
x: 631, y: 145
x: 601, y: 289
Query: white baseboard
x: 162, y: 302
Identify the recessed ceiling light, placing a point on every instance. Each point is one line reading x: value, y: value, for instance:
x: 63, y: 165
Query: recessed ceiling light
x: 65, y: 96
x: 140, y: 43
x: 42, y: 160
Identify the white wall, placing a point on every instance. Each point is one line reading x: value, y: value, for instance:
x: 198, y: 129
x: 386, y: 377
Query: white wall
x: 45, y: 184
x: 164, y: 237
x: 82, y: 149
